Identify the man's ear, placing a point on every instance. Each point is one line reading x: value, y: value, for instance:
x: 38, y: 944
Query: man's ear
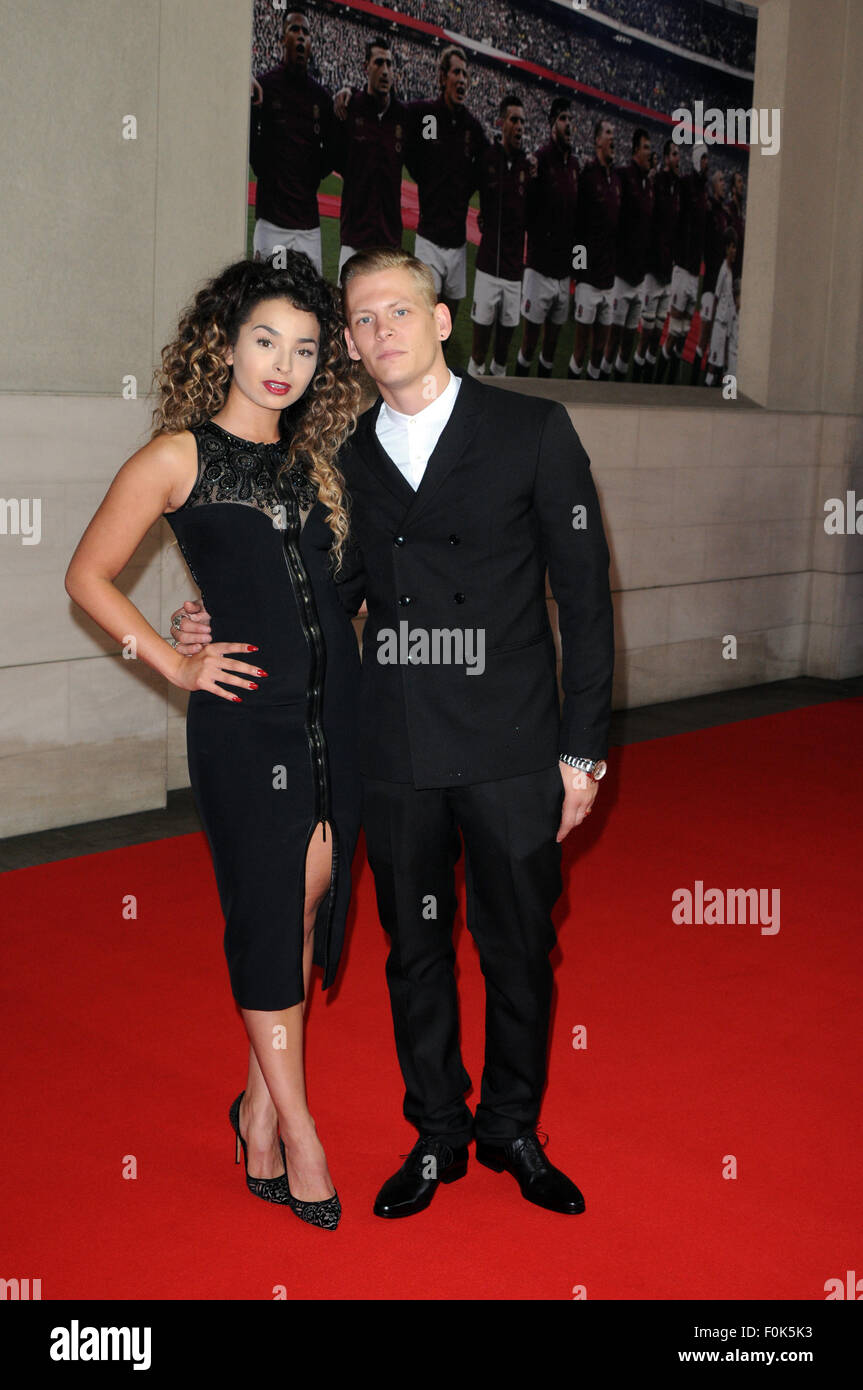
x: 444, y: 320
x: 351, y: 345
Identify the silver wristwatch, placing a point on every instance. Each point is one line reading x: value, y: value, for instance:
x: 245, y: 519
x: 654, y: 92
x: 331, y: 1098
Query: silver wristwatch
x: 594, y: 768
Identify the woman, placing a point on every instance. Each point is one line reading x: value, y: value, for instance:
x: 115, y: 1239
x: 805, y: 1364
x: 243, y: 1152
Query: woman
x: 257, y: 395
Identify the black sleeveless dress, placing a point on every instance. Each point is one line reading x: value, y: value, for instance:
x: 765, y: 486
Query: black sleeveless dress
x: 267, y: 771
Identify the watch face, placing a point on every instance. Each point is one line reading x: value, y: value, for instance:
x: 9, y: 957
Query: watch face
x: 600, y: 770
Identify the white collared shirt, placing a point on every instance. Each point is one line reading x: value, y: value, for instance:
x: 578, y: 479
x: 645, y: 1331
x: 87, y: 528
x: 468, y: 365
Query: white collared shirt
x: 410, y: 439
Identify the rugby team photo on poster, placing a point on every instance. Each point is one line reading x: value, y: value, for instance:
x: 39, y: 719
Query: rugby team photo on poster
x: 546, y: 160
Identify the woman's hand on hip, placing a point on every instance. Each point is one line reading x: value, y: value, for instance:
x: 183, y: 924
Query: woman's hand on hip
x: 212, y: 665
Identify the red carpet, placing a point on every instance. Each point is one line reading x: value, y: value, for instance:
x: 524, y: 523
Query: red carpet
x: 703, y: 1041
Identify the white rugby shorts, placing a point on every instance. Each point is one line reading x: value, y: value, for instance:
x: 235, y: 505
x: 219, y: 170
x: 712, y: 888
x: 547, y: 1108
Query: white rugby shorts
x: 627, y: 303
x: 269, y: 239
x: 495, y: 298
x: 591, y: 303
x: 684, y: 293
x: 447, y: 264
x: 657, y: 298
x: 543, y: 297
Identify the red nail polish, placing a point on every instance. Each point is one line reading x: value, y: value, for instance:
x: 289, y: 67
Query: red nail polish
x: 260, y: 673
x: 252, y: 685
x: 237, y: 698
x: 251, y: 649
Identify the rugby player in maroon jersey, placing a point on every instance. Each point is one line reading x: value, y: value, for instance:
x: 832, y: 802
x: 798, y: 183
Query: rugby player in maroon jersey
x: 290, y: 148
x: 687, y: 263
x: 505, y: 172
x: 368, y: 152
x: 552, y: 201
x: 633, y: 240
x: 714, y: 255
x: 599, y: 197
x: 736, y: 215
x: 660, y: 259
x: 445, y: 142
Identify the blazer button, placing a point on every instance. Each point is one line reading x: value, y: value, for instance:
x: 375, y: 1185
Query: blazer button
x: 454, y: 540
x: 404, y: 600
x: 398, y: 540
x: 459, y: 598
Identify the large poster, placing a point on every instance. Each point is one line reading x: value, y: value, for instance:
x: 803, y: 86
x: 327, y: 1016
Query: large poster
x: 551, y: 161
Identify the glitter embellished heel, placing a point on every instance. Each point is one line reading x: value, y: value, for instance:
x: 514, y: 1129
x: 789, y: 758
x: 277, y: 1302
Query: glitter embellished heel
x: 270, y: 1189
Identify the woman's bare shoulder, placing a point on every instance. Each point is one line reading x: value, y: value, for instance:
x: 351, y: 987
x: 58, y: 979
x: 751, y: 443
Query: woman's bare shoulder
x: 175, y: 455
x: 171, y: 448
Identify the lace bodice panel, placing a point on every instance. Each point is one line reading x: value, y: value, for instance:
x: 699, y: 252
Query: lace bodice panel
x: 231, y: 469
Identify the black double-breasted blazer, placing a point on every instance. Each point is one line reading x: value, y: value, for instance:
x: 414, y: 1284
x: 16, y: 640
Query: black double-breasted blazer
x: 507, y: 493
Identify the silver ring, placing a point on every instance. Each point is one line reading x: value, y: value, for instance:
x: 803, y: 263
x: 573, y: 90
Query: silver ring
x: 173, y: 641
x: 176, y: 620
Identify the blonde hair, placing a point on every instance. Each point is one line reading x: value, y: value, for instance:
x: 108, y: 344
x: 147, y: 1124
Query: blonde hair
x: 389, y: 258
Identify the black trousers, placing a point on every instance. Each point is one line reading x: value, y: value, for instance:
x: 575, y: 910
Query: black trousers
x: 512, y: 876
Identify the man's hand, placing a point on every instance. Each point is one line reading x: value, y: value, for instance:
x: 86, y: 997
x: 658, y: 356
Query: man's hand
x: 340, y: 103
x: 579, y: 793
x: 193, y: 633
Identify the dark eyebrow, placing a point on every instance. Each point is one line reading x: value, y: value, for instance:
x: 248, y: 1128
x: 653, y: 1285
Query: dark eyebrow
x: 276, y: 334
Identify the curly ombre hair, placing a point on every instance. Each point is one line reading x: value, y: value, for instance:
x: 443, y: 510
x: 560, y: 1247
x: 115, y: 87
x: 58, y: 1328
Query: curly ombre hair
x: 194, y: 378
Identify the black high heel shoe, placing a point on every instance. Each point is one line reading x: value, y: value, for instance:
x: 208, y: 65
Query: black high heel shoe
x: 270, y: 1189
x: 326, y: 1214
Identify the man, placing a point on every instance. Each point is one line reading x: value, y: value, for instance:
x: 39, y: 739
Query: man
x: 599, y: 198
x: 723, y: 312
x: 461, y: 496
x: 551, y: 210
x: 636, y: 216
x: 660, y: 260
x: 733, y: 331
x: 290, y: 148
x: 504, y: 173
x: 736, y: 216
x: 714, y: 256
x: 444, y: 149
x: 368, y: 152
x: 687, y: 264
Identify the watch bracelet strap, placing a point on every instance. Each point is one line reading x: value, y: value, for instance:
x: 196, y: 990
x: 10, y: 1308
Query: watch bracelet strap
x: 581, y: 764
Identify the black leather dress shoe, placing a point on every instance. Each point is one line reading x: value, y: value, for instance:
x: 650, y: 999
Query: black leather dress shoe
x: 411, y: 1189
x: 539, y: 1180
